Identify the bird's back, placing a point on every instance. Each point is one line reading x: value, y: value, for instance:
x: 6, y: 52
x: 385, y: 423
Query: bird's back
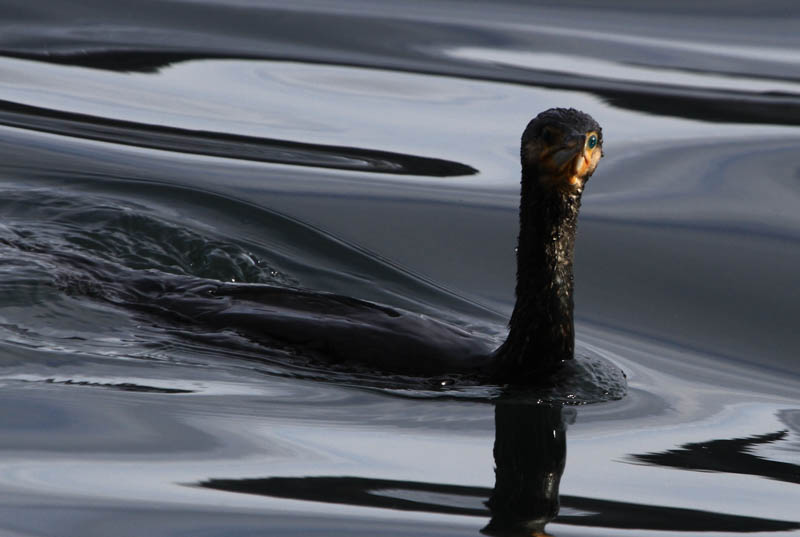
x: 328, y: 327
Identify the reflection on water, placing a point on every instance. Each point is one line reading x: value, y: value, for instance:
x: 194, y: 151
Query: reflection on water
x: 371, y: 152
x: 225, y: 145
x: 530, y: 452
x: 733, y: 455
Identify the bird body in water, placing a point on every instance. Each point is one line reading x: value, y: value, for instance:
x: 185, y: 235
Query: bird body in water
x: 559, y: 152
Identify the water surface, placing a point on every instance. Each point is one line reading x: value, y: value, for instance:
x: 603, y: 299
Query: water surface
x: 371, y: 151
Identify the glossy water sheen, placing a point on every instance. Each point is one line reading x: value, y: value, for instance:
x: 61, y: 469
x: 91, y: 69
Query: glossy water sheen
x: 370, y: 150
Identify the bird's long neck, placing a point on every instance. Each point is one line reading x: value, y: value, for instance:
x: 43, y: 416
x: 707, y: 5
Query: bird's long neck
x: 541, y: 331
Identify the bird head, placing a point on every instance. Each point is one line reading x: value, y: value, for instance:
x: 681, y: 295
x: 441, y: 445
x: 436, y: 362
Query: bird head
x: 562, y: 146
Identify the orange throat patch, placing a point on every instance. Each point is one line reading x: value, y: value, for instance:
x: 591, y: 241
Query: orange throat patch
x: 585, y: 164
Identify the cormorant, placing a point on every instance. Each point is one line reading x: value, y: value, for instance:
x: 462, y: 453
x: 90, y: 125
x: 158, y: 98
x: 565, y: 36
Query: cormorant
x: 559, y: 152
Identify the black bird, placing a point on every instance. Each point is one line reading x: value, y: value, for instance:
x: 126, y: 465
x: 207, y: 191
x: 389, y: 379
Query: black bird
x: 559, y: 152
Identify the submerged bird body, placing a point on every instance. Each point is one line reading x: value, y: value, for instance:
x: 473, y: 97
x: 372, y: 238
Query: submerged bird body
x: 559, y: 151
x: 337, y: 329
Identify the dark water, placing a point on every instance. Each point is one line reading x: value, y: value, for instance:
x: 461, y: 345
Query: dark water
x: 370, y: 149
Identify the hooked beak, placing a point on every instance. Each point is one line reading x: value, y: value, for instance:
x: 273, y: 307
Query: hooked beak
x: 566, y: 154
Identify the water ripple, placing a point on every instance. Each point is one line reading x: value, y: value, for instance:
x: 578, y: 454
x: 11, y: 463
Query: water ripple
x: 225, y: 145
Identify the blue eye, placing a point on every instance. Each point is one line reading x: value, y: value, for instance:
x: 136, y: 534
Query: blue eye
x: 591, y: 143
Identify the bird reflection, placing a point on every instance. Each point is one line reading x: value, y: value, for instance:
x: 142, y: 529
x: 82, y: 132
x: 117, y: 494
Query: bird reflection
x: 530, y: 451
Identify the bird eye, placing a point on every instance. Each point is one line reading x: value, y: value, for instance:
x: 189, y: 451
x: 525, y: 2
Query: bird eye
x: 591, y: 143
